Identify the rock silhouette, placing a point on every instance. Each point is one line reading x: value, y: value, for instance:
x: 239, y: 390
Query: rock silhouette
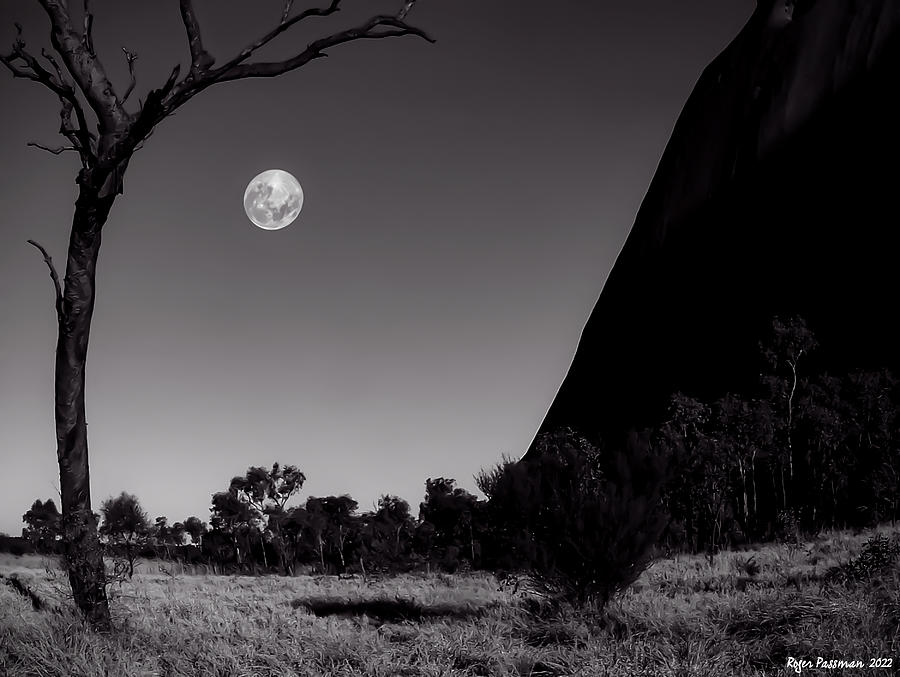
x: 776, y: 194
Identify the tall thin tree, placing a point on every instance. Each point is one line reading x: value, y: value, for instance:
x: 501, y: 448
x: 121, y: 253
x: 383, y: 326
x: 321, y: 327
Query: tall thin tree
x: 105, y: 134
x: 790, y: 340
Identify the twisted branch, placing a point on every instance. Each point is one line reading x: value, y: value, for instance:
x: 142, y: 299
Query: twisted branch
x: 87, y: 37
x: 130, y: 57
x: 200, y: 58
x: 22, y: 64
x: 406, y: 9
x: 316, y: 49
x: 77, y: 52
x: 53, y: 62
x: 377, y: 27
x: 284, y: 25
x: 121, y: 133
x: 53, y: 276
x: 286, y: 11
x: 55, y: 151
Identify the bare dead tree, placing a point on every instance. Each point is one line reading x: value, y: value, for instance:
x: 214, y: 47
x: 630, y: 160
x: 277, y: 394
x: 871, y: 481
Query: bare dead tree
x: 75, y: 74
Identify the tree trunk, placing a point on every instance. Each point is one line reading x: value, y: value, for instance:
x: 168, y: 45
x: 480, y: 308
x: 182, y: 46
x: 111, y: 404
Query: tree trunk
x: 83, y: 554
x: 755, y: 501
x: 784, y: 502
x: 774, y: 484
x: 833, y: 503
x: 341, y: 547
x: 790, y: 421
x: 746, y: 502
x: 131, y: 558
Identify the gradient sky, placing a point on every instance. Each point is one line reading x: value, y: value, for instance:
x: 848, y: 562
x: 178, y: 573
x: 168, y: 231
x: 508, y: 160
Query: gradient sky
x: 465, y: 202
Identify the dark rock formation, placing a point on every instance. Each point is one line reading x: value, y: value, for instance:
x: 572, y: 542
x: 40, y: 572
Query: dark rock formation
x: 777, y: 193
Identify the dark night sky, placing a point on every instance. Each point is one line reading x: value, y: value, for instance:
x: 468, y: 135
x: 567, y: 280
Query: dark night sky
x: 465, y: 202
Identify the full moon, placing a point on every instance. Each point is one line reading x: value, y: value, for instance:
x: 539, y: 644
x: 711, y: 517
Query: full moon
x: 273, y: 199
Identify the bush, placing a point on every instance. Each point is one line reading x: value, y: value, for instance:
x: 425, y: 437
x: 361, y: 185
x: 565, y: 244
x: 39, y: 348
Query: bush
x: 584, y: 524
x: 14, y: 546
x: 18, y: 549
x: 878, y: 555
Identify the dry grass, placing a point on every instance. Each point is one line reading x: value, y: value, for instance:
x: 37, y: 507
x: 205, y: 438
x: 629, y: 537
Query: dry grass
x: 741, y: 616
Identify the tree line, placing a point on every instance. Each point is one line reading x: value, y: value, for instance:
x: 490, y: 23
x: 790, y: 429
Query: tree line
x: 804, y: 451
x: 251, y: 529
x: 581, y: 520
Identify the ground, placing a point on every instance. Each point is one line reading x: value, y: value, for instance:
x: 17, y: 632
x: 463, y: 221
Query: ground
x: 748, y: 613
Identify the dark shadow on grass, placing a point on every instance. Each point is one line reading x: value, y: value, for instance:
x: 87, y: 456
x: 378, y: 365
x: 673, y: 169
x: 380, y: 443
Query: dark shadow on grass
x: 12, y: 581
x: 396, y: 610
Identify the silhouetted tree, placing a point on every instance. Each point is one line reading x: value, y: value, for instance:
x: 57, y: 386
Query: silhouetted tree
x: 232, y: 518
x: 314, y: 527
x: 195, y: 529
x: 789, y: 342
x: 822, y: 427
x: 15, y: 545
x: 394, y: 526
x: 219, y: 547
x: 386, y: 535
x: 43, y: 525
x: 99, y: 127
x: 125, y: 523
x: 334, y: 528
x: 452, y: 511
x: 423, y: 542
x: 743, y: 433
x: 697, y: 495
x: 299, y: 538
x: 176, y: 533
x: 267, y: 492
x: 161, y: 534
x: 873, y: 441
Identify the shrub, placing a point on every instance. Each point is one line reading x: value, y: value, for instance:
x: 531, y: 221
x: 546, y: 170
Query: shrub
x: 583, y: 523
x: 14, y: 546
x: 878, y: 555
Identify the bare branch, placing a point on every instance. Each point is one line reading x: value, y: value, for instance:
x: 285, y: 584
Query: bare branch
x: 87, y: 38
x: 53, y: 62
x: 285, y: 24
x: 382, y: 26
x: 130, y: 57
x: 84, y: 65
x: 169, y: 84
x: 201, y: 60
x: 53, y: 276
x: 286, y: 12
x: 406, y: 9
x: 121, y: 133
x: 55, y: 151
x: 70, y: 104
x: 29, y: 70
x: 371, y: 30
x: 23, y: 64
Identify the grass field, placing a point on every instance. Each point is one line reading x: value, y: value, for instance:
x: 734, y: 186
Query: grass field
x: 683, y: 617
